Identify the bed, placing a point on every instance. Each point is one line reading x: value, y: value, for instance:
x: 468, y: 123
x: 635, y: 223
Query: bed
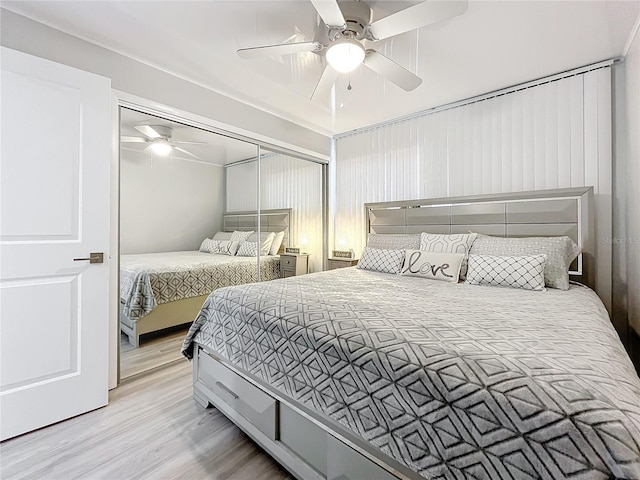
x: 163, y: 290
x: 358, y: 374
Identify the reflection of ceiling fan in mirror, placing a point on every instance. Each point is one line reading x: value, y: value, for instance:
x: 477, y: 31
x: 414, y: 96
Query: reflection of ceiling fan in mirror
x: 159, y: 139
x: 348, y: 26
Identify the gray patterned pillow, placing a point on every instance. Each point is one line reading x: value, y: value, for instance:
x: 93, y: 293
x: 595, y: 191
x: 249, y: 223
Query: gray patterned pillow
x: 454, y: 243
x: 525, y: 272
x: 248, y: 249
x: 205, y: 246
x: 393, y: 241
x: 381, y: 260
x: 560, y: 252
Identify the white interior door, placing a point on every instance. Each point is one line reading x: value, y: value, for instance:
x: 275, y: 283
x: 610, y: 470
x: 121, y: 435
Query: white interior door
x: 54, y: 184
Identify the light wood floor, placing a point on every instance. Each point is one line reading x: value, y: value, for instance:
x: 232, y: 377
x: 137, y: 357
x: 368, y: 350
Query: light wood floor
x: 151, y: 429
x: 151, y: 353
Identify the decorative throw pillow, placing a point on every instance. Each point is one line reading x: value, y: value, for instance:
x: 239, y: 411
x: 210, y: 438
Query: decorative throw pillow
x: 437, y: 266
x: 381, y: 260
x: 454, y: 243
x: 205, y: 246
x: 393, y: 241
x: 277, y: 241
x: 240, y: 236
x: 525, y: 272
x: 248, y: 249
x: 223, y: 247
x: 222, y: 236
x: 560, y: 252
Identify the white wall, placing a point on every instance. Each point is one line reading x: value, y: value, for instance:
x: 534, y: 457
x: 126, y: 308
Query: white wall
x: 552, y: 135
x: 242, y: 187
x: 139, y: 79
x: 168, y: 204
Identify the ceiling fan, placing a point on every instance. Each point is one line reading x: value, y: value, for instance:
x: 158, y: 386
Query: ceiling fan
x: 159, y: 139
x: 348, y: 25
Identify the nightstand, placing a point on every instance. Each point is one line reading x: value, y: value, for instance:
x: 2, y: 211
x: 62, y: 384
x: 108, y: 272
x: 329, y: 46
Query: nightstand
x: 292, y: 264
x: 341, y: 263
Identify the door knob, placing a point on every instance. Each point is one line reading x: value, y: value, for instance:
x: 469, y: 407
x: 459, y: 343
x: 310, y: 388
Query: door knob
x: 94, y: 257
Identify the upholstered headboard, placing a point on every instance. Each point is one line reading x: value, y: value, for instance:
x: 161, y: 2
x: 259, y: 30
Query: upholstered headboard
x: 278, y: 220
x: 524, y: 214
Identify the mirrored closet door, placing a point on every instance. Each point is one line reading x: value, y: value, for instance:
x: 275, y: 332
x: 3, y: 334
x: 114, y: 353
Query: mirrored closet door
x: 290, y: 193
x: 177, y: 240
x: 295, y: 184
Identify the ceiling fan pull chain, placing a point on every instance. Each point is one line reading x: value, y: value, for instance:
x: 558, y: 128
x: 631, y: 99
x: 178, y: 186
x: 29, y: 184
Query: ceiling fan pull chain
x: 349, y: 86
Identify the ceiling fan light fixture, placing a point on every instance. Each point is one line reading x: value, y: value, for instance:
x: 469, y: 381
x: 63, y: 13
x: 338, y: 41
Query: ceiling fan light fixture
x: 161, y: 147
x: 345, y: 54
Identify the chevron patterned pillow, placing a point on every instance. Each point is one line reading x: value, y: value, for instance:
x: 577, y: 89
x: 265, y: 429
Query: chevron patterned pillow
x: 454, y: 243
x: 525, y: 272
x: 379, y: 260
x: 240, y: 236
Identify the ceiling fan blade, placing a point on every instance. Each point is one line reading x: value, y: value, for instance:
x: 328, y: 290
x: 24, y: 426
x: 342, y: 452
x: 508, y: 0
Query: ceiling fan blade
x: 417, y: 16
x: 179, y: 142
x: 330, y: 13
x: 147, y: 131
x: 281, y: 49
x: 187, y: 152
x: 391, y: 70
x: 125, y: 139
x: 327, y: 79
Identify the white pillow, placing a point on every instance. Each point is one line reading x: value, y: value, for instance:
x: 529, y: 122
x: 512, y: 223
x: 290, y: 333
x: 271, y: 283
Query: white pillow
x: 266, y: 240
x: 526, y: 272
x: 277, y: 241
x: 381, y: 260
x: 454, y: 243
x: 393, y: 241
x: 437, y: 266
x: 205, y: 246
x: 223, y: 247
x: 222, y: 236
x: 248, y: 249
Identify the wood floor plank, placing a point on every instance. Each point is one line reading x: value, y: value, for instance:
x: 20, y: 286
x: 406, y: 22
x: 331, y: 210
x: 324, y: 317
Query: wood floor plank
x: 151, y: 429
x: 151, y: 353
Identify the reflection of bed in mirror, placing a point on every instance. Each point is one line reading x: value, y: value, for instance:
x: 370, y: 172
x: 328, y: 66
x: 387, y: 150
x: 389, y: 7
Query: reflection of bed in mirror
x: 163, y: 290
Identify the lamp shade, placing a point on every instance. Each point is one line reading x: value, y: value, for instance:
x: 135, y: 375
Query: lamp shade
x: 345, y: 54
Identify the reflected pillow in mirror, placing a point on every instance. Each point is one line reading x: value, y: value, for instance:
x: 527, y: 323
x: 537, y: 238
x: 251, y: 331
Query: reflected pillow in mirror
x: 277, y: 241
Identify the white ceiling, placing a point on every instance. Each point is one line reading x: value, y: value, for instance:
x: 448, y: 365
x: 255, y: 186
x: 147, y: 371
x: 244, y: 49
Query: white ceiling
x: 493, y: 45
x: 217, y: 149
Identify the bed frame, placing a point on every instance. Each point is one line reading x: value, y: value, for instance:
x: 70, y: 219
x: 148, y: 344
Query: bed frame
x: 313, y: 446
x: 184, y: 311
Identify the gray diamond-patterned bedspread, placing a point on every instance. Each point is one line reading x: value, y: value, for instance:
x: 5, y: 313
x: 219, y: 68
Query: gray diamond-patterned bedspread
x: 453, y: 380
x: 151, y: 279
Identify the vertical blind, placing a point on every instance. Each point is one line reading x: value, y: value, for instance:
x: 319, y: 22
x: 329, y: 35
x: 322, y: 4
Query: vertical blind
x: 285, y: 182
x: 552, y: 135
